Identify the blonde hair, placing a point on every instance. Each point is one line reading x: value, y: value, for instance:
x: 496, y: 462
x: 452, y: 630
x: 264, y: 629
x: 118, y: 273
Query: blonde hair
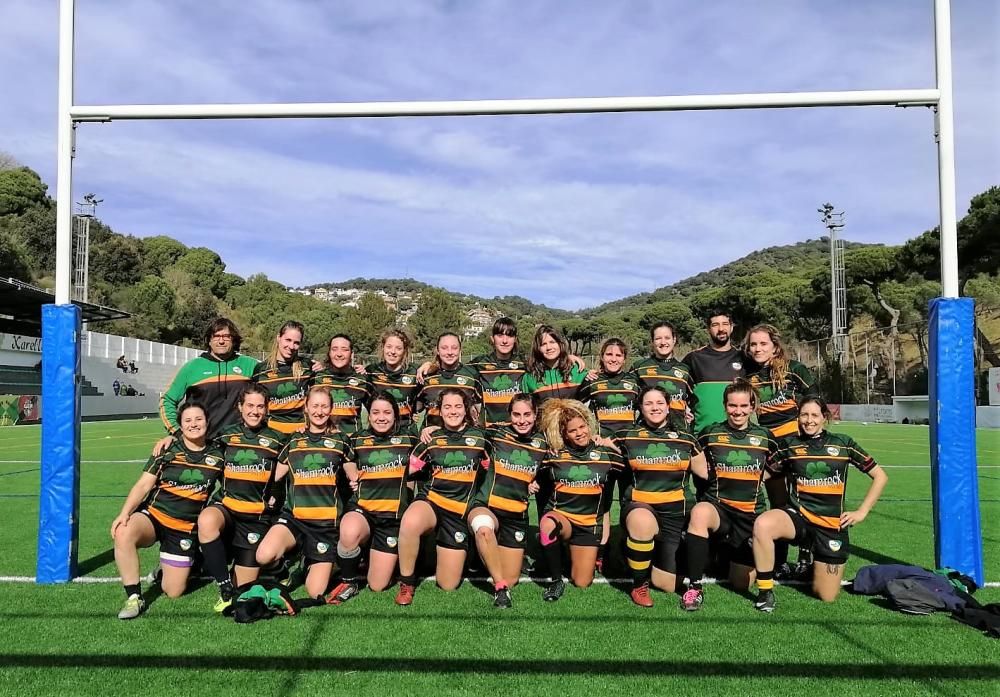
x: 778, y: 362
x: 556, y: 413
x: 272, y: 359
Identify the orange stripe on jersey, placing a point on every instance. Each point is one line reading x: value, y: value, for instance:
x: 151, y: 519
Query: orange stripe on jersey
x: 221, y: 378
x: 587, y: 520
x: 379, y: 505
x: 315, y: 481
x: 249, y: 476
x: 509, y: 505
x: 655, y: 497
x: 237, y: 506
x: 512, y: 474
x: 743, y: 506
x: 169, y: 521
x: 823, y: 521
x: 286, y: 426
x: 830, y: 489
x: 190, y: 494
x: 394, y: 473
x: 497, y: 399
x: 616, y: 416
x: 315, y: 513
x: 445, y: 503
x: 742, y: 476
x: 661, y: 467
x: 783, y: 430
x: 582, y: 490
x: 463, y: 476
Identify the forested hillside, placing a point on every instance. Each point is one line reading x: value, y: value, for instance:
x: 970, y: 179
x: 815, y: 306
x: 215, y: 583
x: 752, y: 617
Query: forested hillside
x: 172, y: 290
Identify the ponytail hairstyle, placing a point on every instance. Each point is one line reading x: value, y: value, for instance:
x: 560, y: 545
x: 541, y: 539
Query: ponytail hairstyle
x: 436, y: 363
x: 403, y: 337
x: 613, y: 341
x: 779, y: 362
x: 741, y: 386
x: 272, y: 358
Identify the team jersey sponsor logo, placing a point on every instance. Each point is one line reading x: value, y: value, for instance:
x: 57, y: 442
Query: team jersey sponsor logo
x: 835, y: 545
x: 265, y: 442
x: 678, y: 374
x: 754, y: 440
x: 234, y: 439
x: 627, y: 385
x: 519, y: 536
x: 253, y: 537
x: 322, y: 547
x: 671, y: 434
x: 441, y: 441
x: 186, y: 544
x: 460, y: 380
x: 459, y: 536
x: 211, y: 461
x: 238, y: 370
x: 489, y: 366
x: 643, y: 434
x: 737, y: 365
x: 833, y: 450
x: 271, y: 375
x: 328, y: 442
x: 651, y: 371
x: 391, y: 541
x: 564, y: 456
x: 470, y: 441
x: 369, y: 442
x: 353, y: 381
x: 407, y: 380
x: 395, y: 440
x: 535, y: 443
x: 514, y: 365
x: 800, y: 451
x: 595, y: 456
x: 723, y: 439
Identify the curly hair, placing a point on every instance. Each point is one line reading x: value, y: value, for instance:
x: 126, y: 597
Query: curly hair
x: 556, y: 413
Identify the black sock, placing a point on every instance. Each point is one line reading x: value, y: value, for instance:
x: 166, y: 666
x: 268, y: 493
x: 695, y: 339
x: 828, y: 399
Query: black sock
x: 214, y: 563
x: 133, y: 589
x: 553, y: 559
x: 697, y: 555
x: 639, y: 554
x: 349, y: 564
x: 409, y: 579
x: 780, y: 553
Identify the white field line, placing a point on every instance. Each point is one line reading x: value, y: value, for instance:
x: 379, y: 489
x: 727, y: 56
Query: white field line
x: 599, y: 580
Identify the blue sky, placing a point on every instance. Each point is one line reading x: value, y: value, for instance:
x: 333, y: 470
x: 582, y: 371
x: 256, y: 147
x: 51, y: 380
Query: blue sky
x: 567, y: 210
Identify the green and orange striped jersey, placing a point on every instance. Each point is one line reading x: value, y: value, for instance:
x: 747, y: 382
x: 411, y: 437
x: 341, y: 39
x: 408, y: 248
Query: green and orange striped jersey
x: 583, y: 481
x: 818, y: 468
x: 779, y: 404
x: 463, y: 377
x: 456, y: 460
x: 351, y: 392
x: 659, y: 460
x: 736, y: 462
x: 614, y: 399
x: 313, y: 460
x: 213, y: 382
x: 383, y: 461
x: 711, y: 372
x: 286, y: 394
x: 670, y: 374
x: 250, y: 456
x: 401, y: 384
x: 501, y: 380
x: 184, y: 480
x: 516, y: 459
x: 553, y: 384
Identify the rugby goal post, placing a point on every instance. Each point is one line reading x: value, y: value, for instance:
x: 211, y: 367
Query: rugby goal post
x: 957, y: 534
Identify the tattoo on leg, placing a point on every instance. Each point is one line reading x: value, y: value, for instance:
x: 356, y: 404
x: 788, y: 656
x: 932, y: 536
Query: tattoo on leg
x: 832, y: 569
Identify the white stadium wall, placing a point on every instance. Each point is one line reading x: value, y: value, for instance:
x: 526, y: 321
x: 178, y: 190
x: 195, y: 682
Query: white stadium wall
x: 156, y: 363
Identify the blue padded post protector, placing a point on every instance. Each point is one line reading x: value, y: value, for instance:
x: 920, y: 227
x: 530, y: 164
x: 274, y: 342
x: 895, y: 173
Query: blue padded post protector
x: 59, y: 497
x: 958, y: 539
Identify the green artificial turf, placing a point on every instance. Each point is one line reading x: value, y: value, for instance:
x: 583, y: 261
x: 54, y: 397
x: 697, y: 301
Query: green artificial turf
x: 66, y: 640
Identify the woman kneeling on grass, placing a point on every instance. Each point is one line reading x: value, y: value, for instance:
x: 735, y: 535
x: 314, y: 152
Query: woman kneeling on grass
x: 380, y: 459
x: 308, y: 521
x: 817, y: 462
x: 163, y: 507
x: 582, y: 475
x: 456, y: 456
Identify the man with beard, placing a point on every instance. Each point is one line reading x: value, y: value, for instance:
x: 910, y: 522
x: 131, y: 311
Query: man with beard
x: 713, y: 367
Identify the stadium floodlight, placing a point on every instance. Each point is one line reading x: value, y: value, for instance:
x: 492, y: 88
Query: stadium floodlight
x: 957, y: 535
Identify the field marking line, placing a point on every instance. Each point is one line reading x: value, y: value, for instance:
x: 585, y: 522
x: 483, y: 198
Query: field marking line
x: 599, y: 580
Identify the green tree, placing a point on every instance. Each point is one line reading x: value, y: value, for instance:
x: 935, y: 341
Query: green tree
x: 159, y: 252
x: 117, y: 260
x: 366, y: 322
x: 36, y: 230
x: 14, y: 259
x: 21, y: 189
x: 206, y: 268
x: 436, y: 314
x: 152, y: 303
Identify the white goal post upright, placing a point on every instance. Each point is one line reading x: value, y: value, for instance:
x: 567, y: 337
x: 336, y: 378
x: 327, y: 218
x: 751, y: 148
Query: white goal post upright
x: 60, y: 459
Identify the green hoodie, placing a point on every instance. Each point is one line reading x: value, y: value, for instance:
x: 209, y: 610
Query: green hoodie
x: 213, y: 382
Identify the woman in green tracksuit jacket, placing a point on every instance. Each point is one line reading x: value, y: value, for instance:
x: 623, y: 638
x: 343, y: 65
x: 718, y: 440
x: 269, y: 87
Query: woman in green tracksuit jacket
x: 213, y: 379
